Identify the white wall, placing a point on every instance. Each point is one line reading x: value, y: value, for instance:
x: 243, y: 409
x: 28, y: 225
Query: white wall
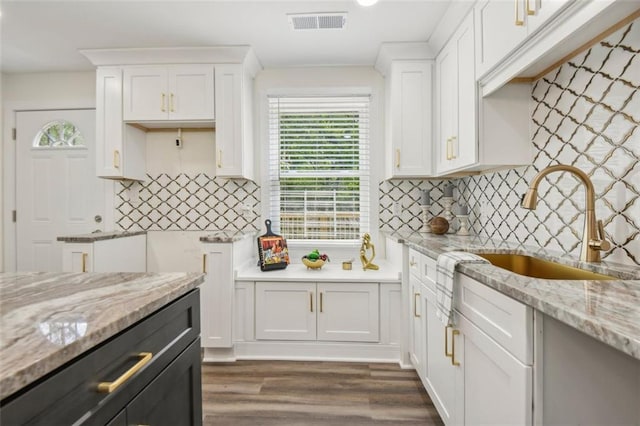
x: 31, y: 91
x: 325, y: 80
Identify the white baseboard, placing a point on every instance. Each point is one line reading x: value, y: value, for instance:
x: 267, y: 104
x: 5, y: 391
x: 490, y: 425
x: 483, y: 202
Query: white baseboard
x: 306, y: 351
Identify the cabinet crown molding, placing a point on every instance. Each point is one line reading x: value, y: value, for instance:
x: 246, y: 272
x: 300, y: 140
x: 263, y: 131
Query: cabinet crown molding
x: 175, y: 55
x: 390, y: 52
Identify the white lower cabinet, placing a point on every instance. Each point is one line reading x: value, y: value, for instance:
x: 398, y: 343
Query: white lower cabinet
x: 416, y: 323
x: 440, y: 372
x: 285, y: 311
x: 128, y: 254
x: 337, y: 312
x: 491, y: 385
x: 217, y: 291
x: 478, y: 371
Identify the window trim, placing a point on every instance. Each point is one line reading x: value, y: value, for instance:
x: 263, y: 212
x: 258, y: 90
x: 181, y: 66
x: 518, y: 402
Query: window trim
x: 372, y: 194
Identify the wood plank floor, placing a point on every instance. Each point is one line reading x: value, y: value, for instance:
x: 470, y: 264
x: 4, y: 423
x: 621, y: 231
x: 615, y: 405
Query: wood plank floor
x: 313, y: 393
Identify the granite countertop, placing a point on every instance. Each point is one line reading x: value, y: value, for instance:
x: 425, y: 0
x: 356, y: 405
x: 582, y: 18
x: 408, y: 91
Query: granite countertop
x: 98, y: 236
x: 228, y: 236
x: 47, y: 318
x: 609, y: 311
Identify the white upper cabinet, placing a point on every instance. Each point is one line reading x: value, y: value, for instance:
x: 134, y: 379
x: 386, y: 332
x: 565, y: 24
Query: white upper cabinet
x: 161, y: 93
x: 500, y: 29
x: 503, y: 25
x: 120, y: 148
x: 234, y: 122
x: 456, y: 145
x: 408, y: 124
x: 471, y: 130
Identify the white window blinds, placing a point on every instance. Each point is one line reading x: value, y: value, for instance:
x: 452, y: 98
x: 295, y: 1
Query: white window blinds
x: 319, y: 167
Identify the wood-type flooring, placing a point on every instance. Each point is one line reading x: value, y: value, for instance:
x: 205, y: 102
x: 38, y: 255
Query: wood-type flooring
x: 304, y: 393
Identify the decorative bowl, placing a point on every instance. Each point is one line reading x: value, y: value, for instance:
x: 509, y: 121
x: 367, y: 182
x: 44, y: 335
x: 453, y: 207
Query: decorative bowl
x: 439, y: 225
x: 313, y: 264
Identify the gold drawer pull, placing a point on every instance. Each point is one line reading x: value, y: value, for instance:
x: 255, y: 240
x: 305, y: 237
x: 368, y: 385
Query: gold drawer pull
x: 108, y: 387
x: 84, y: 262
x: 529, y: 10
x: 446, y: 342
x: 116, y: 159
x: 320, y: 302
x: 415, y: 305
x: 397, y: 158
x: 171, y: 103
x: 204, y: 263
x: 519, y: 22
x: 448, y: 148
x: 311, y: 302
x: 162, y: 108
x: 454, y: 333
x: 219, y: 158
x: 453, y: 155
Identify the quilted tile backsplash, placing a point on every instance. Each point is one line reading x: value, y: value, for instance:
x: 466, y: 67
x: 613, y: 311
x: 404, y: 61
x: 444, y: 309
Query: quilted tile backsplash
x: 587, y: 114
x: 187, y: 203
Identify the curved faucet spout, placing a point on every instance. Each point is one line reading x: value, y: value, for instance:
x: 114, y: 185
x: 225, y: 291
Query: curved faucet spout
x: 591, y: 246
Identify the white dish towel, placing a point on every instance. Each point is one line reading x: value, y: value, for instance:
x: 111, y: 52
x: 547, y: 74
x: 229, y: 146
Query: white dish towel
x: 445, y: 275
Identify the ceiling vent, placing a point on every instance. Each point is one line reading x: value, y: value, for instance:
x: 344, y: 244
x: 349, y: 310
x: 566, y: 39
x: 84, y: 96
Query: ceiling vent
x: 317, y: 21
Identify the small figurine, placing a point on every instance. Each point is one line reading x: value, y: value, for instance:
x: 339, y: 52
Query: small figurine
x: 366, y: 245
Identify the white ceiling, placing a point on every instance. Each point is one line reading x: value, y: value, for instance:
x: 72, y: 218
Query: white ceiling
x: 39, y: 36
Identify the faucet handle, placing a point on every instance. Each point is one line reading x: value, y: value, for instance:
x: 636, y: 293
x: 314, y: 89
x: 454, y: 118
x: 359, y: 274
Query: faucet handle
x: 601, y: 244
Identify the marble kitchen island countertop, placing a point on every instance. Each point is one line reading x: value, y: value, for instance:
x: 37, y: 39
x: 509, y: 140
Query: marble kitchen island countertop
x: 608, y: 311
x: 99, y: 236
x: 47, y: 319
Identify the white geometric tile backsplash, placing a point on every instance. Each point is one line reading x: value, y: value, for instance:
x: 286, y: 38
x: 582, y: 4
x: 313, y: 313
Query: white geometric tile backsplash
x: 187, y: 203
x: 586, y: 114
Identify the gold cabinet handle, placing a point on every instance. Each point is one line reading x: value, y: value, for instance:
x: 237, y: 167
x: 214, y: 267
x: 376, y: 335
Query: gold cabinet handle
x: 448, y: 148
x: 519, y: 22
x: 116, y: 159
x: 204, y: 263
x: 171, y: 103
x: 398, y: 158
x: 219, y: 158
x: 320, y: 302
x: 84, y: 262
x: 108, y: 387
x: 311, y: 302
x: 412, y: 263
x: 446, y: 342
x: 162, y: 108
x: 454, y: 333
x: 453, y: 155
x: 415, y: 305
x: 529, y: 10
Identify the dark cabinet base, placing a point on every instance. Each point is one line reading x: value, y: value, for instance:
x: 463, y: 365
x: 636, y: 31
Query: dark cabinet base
x: 165, y: 391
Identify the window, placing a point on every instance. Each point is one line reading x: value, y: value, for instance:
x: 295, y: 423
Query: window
x: 59, y: 134
x: 319, y: 167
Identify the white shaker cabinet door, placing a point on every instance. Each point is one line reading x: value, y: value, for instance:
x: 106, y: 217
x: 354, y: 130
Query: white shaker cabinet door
x: 348, y: 312
x: 216, y: 297
x: 145, y: 93
x: 191, y: 92
x: 492, y: 386
x: 286, y: 311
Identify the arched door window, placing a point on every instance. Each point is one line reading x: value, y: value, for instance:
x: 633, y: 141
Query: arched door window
x: 59, y: 134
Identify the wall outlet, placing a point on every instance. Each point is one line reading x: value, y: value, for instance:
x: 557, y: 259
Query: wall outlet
x: 397, y: 208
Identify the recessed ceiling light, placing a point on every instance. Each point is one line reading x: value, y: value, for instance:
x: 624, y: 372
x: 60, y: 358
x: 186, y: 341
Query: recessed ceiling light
x: 367, y: 2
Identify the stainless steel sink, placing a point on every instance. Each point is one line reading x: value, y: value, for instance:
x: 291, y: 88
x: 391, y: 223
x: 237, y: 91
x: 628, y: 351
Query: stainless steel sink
x: 534, y: 267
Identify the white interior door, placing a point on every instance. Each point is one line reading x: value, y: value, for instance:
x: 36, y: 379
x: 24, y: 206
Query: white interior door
x: 57, y: 191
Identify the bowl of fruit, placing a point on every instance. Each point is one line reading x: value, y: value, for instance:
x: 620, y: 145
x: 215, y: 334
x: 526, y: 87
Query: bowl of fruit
x: 315, y: 260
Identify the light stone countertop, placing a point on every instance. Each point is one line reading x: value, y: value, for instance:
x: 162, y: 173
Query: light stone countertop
x: 609, y: 311
x: 47, y: 318
x: 98, y: 236
x: 227, y: 236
